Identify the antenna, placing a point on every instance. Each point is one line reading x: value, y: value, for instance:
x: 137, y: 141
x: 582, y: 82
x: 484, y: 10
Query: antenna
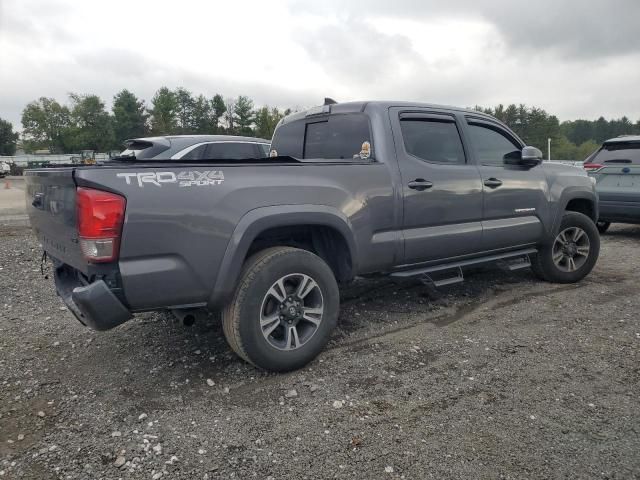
x: 329, y: 101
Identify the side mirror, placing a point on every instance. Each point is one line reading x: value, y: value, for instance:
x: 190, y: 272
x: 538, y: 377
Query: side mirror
x: 529, y: 157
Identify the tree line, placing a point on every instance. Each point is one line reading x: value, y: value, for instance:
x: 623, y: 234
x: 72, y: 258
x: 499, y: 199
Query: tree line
x: 84, y: 123
x: 570, y: 140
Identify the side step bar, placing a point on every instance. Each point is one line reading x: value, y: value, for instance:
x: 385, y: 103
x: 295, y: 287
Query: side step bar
x: 450, y: 273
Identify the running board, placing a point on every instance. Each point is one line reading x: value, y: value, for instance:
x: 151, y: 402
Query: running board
x: 516, y: 263
x: 441, y: 280
x: 510, y: 260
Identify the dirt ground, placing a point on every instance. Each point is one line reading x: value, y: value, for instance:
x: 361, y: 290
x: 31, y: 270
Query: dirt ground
x: 501, y: 377
x: 11, y: 196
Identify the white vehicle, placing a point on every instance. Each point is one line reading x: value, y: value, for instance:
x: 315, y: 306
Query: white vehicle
x: 4, y: 169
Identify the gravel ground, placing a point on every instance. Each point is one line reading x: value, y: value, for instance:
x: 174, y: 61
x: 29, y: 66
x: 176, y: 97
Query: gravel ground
x: 500, y: 377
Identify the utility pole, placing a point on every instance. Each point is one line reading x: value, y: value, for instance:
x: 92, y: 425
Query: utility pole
x: 548, y: 149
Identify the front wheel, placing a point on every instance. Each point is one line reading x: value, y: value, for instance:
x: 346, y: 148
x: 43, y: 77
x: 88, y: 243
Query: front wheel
x: 572, y: 254
x: 284, y: 309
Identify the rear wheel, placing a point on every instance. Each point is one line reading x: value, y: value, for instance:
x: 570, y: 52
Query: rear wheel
x: 603, y: 226
x: 572, y: 254
x: 284, y: 309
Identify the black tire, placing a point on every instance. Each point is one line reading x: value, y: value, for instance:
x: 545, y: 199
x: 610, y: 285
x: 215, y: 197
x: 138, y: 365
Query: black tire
x: 241, y: 319
x: 603, y: 226
x: 543, y: 264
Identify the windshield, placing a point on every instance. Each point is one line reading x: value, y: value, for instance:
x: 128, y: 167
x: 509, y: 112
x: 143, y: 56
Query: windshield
x: 617, y: 152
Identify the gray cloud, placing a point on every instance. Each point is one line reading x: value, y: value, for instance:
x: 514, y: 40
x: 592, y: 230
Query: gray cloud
x: 570, y: 28
x: 575, y: 59
x: 32, y: 24
x: 106, y: 72
x: 356, y: 52
x: 360, y: 58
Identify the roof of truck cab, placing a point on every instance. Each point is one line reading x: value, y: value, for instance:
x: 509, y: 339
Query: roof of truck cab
x: 624, y: 139
x: 360, y: 106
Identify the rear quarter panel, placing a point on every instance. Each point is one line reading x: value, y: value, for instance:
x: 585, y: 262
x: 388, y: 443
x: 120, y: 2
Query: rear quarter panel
x: 175, y: 237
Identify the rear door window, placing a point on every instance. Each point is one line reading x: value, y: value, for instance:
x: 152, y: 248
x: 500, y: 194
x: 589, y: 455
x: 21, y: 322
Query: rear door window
x: 433, y: 141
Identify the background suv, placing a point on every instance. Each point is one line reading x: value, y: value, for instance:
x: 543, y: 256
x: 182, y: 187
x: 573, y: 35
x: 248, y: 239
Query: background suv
x: 197, y: 147
x: 616, y: 169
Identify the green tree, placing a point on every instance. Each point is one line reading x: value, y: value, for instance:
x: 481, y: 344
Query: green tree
x: 218, y: 108
x: 266, y: 120
x: 532, y: 124
x: 185, y: 105
x: 577, y: 131
x: 92, y: 127
x: 129, y: 117
x: 540, y: 127
x: 243, y: 115
x: 229, y: 116
x: 45, y: 123
x: 163, y: 112
x: 585, y: 149
x: 564, y: 149
x: 8, y: 138
x: 202, y: 116
x: 601, y: 130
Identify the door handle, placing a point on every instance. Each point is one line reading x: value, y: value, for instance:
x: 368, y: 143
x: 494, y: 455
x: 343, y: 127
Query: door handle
x: 492, y: 182
x: 420, y: 184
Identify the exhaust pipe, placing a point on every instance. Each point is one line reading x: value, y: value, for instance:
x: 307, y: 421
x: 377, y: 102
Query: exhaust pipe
x: 188, y: 316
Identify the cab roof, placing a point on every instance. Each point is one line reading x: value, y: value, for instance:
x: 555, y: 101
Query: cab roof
x: 360, y: 106
x: 624, y: 139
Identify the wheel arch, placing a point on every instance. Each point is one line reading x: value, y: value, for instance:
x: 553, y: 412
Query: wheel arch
x: 263, y: 227
x: 580, y: 201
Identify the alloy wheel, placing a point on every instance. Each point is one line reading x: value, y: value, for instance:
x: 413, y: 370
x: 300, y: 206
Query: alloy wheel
x: 571, y: 249
x: 291, y: 311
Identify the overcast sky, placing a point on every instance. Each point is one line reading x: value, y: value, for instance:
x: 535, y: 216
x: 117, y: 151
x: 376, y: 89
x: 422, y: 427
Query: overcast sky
x: 576, y: 59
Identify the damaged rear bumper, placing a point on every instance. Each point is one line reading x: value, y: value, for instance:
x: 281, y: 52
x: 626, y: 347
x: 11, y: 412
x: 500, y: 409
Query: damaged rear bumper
x: 93, y: 304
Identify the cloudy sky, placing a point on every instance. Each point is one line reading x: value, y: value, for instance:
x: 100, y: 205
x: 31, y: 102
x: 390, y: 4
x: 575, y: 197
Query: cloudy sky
x: 576, y: 59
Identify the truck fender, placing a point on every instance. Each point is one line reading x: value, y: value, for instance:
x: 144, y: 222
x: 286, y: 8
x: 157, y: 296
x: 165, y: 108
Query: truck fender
x: 260, y: 219
x: 569, y: 194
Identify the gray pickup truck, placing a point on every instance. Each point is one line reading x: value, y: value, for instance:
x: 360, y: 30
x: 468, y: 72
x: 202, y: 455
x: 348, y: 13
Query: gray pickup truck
x: 392, y: 188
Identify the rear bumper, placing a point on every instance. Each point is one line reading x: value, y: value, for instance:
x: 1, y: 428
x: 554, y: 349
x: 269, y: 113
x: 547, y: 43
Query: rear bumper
x: 94, y: 305
x: 616, y: 211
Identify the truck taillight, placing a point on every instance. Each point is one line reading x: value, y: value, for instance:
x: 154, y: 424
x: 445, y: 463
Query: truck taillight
x: 100, y: 218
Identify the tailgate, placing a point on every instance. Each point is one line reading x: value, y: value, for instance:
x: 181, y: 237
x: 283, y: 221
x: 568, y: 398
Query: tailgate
x: 51, y: 206
x: 619, y: 183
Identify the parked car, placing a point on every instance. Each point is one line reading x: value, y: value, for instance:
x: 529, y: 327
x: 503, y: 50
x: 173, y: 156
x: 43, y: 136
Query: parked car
x: 196, y: 147
x: 5, y: 169
x: 616, y: 169
x: 389, y: 188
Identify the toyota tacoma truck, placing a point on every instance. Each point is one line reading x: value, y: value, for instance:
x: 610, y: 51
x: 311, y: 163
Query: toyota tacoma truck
x: 348, y: 189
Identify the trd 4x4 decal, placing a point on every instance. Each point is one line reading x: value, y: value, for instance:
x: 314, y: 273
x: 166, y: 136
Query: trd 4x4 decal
x: 191, y: 178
